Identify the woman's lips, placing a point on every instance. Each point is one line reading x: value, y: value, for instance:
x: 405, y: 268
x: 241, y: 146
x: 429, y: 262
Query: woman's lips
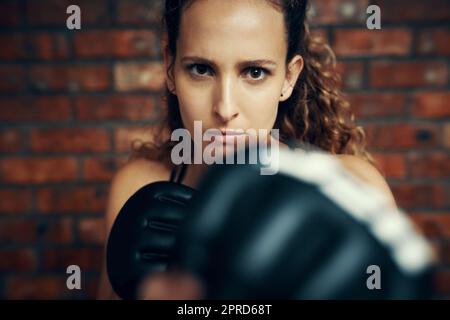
x: 229, y: 136
x: 232, y: 132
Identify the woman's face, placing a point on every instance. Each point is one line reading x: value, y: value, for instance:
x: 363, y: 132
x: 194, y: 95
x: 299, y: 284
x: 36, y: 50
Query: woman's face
x: 230, y: 69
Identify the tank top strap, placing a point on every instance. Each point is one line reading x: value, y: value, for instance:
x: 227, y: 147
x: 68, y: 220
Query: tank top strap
x: 178, y: 173
x: 173, y: 174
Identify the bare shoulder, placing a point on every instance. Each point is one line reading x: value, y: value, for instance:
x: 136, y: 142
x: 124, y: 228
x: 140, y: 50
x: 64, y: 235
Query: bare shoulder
x: 367, y: 172
x: 138, y: 172
x: 130, y: 178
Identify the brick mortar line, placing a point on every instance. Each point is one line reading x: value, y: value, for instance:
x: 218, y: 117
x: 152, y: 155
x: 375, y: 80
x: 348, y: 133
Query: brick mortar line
x: 157, y: 28
x: 82, y: 124
x: 89, y: 94
x: 51, y: 216
x: 82, y: 61
x: 445, y: 181
x: 55, y: 184
x: 56, y: 216
x: 79, y: 61
x: 85, y: 27
x: 158, y: 93
x: 151, y: 122
x: 404, y: 24
x: 113, y: 92
x: 53, y: 246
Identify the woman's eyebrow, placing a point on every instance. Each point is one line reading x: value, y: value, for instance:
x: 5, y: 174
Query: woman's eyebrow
x: 241, y: 64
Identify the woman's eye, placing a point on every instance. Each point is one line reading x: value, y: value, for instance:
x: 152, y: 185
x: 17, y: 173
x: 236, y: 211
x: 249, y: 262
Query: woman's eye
x: 257, y: 73
x: 203, y: 70
x: 199, y: 69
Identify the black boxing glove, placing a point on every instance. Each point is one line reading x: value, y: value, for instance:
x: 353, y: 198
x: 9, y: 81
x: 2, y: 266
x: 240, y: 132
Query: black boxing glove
x: 143, y: 235
x: 309, y: 232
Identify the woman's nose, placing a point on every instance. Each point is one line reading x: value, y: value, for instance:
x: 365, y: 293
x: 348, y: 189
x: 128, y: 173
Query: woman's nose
x: 225, y: 107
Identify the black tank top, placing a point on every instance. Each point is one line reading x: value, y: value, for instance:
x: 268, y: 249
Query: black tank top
x: 177, y: 174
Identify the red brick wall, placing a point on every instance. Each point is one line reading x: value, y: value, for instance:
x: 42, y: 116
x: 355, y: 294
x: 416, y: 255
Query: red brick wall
x: 71, y: 101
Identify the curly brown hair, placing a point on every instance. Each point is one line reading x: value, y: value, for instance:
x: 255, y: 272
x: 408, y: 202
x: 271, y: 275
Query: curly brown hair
x: 316, y: 113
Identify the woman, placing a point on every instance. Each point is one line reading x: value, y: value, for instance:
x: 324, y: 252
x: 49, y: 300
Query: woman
x: 242, y: 65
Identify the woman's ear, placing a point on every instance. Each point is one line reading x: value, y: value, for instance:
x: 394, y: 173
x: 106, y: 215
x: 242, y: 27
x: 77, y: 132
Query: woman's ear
x: 167, y: 61
x: 293, y: 71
